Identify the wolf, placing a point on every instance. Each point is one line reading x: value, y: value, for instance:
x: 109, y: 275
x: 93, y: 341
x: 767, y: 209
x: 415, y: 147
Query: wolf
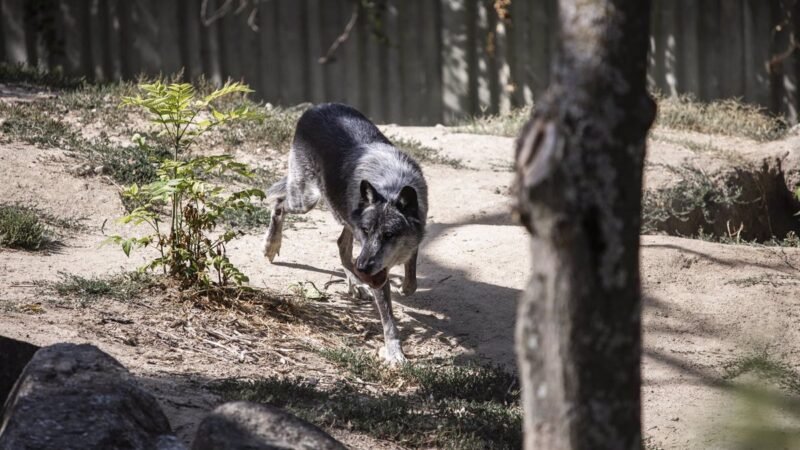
x: 377, y: 192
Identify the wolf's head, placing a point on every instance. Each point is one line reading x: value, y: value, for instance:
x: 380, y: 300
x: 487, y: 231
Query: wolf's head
x: 389, y: 230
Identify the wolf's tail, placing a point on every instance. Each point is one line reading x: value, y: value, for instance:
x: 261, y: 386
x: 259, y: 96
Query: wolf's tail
x: 277, y: 191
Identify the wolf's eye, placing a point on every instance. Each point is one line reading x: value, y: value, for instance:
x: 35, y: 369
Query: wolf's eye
x: 365, y: 230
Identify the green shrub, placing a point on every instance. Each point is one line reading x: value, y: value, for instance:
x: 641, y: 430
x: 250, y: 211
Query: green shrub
x: 190, y: 248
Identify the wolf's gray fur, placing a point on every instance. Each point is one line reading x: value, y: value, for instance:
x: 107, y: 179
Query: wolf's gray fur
x: 376, y: 191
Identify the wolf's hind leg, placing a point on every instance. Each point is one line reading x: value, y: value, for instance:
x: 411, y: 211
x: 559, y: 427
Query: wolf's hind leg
x: 272, y: 240
x: 355, y: 287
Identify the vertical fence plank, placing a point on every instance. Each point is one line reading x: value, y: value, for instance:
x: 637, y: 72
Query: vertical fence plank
x: 542, y: 23
x: 269, y: 52
x: 96, y: 39
x: 248, y: 52
x: 490, y: 48
x: 783, y: 81
x: 669, y: 40
x: 76, y: 45
x: 429, y: 41
x: 188, y: 20
x: 230, y: 46
x: 113, y: 47
x: 362, y: 65
x: 710, y: 48
x: 128, y: 58
x: 372, y: 69
x: 502, y: 67
x: 483, y: 71
x: 349, y: 57
x: 315, y: 71
x: 146, y: 42
x: 332, y: 21
x: 167, y: 36
x: 14, y: 40
x: 293, y: 52
x: 455, y: 60
x: 394, y: 86
x: 689, y: 51
x: 732, y: 74
x: 209, y: 47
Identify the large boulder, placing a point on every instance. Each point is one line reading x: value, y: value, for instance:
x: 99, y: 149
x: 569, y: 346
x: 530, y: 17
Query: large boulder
x: 252, y: 426
x: 14, y: 355
x: 77, y: 397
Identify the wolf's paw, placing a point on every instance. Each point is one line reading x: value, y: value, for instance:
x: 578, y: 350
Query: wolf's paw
x: 393, y: 354
x: 272, y: 247
x: 408, y: 287
x: 356, y: 288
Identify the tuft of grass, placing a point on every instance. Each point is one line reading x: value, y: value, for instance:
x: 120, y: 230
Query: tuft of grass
x: 20, y: 227
x: 696, y: 192
x: 35, y: 76
x: 506, y: 124
x: 30, y: 123
x: 765, y: 366
x: 730, y: 117
x: 121, y: 286
x: 358, y: 363
x: 472, y: 382
x: 422, y: 153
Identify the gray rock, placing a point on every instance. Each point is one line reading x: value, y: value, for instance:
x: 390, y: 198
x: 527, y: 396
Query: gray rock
x: 77, y: 397
x: 253, y: 426
x: 14, y: 355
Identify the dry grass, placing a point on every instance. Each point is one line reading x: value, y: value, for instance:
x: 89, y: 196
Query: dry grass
x: 730, y: 117
x: 507, y: 124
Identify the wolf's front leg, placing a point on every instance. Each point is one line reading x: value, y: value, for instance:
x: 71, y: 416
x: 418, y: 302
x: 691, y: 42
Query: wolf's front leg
x: 392, y: 351
x: 409, y: 285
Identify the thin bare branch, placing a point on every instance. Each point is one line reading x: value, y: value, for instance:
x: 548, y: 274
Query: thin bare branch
x: 342, y: 37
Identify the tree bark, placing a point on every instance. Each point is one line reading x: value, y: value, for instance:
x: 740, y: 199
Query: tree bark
x: 578, y: 181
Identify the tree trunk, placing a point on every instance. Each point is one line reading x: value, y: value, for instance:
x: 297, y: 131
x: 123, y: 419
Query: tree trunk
x: 579, y: 180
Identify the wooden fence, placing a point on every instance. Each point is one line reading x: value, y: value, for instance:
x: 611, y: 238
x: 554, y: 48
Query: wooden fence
x: 429, y: 61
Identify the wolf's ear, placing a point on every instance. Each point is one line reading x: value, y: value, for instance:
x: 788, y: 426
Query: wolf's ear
x: 368, y: 193
x: 407, y: 201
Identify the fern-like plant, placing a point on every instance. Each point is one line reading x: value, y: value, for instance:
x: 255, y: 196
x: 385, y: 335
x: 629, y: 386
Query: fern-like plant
x: 191, y: 249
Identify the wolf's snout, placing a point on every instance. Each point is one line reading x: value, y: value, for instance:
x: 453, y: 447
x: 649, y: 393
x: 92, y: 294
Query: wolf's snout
x: 366, y: 265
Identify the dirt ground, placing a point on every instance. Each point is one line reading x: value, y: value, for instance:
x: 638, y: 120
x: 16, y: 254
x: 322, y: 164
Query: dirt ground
x: 705, y: 303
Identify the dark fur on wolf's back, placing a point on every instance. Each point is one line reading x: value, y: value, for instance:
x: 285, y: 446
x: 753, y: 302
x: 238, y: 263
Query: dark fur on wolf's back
x: 331, y: 128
